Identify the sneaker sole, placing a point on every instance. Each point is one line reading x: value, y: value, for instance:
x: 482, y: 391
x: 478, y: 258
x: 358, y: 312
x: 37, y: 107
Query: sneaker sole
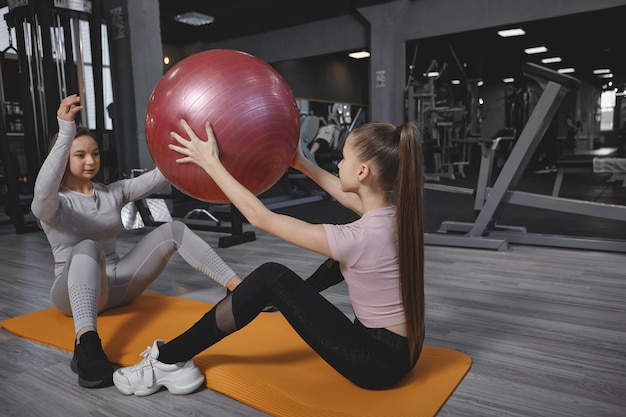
x: 102, y: 383
x: 174, y: 387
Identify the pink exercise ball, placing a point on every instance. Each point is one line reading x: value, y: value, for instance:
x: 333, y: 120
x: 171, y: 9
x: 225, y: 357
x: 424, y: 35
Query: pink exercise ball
x: 253, y: 112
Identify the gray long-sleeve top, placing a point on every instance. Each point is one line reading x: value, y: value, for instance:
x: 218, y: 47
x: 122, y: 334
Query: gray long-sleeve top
x: 68, y: 217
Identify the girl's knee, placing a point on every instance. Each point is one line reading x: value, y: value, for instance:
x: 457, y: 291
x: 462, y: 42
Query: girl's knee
x: 90, y: 248
x: 273, y: 269
x: 271, y: 273
x: 178, y: 229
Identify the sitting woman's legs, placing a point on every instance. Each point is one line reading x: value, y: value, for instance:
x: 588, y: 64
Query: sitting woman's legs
x: 134, y: 272
x: 372, y: 359
x: 80, y: 289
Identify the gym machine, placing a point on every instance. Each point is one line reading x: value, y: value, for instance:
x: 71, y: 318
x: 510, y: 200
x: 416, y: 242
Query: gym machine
x: 50, y: 57
x: 433, y: 107
x: 485, y: 232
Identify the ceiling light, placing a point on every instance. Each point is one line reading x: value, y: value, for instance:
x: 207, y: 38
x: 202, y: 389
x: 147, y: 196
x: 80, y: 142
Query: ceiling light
x: 194, y: 18
x: 508, y: 80
x: 566, y: 70
x: 359, y: 55
x: 601, y: 71
x: 432, y: 74
x: 552, y: 60
x: 536, y: 50
x: 456, y: 82
x: 605, y: 76
x: 511, y: 32
x: 480, y: 83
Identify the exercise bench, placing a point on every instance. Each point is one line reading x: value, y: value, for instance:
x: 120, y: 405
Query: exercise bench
x: 580, y: 162
x: 485, y: 232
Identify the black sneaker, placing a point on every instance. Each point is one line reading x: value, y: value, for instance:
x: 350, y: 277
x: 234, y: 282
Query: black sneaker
x: 91, y: 363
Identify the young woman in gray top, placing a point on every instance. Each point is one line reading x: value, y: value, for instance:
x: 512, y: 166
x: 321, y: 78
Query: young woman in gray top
x: 81, y: 220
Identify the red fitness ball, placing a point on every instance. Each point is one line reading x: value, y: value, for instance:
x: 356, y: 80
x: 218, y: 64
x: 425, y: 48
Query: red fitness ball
x: 251, y: 108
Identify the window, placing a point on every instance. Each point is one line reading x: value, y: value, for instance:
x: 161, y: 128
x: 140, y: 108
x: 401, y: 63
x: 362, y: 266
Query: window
x: 6, y: 39
x: 88, y: 77
x: 81, y: 44
x: 607, y: 108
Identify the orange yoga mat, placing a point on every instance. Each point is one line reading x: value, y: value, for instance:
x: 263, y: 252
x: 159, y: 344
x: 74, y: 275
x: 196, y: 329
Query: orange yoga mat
x: 265, y: 365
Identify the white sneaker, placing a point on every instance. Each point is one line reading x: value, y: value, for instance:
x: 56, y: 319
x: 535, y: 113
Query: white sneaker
x: 149, y: 375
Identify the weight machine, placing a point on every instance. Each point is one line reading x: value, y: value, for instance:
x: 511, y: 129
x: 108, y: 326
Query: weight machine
x: 485, y: 232
x: 50, y: 65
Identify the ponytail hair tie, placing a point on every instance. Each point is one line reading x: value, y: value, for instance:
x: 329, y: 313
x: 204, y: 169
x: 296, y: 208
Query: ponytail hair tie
x: 398, y: 130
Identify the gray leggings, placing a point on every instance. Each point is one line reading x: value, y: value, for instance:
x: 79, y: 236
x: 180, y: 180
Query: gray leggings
x: 89, y: 282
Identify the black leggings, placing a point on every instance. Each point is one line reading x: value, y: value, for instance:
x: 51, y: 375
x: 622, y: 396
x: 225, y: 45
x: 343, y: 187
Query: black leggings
x: 370, y: 358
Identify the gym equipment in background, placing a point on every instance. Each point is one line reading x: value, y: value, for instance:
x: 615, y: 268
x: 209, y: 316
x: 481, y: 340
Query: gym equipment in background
x: 48, y: 62
x: 485, y: 232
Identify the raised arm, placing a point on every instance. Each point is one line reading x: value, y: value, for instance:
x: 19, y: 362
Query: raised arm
x: 46, y: 192
x: 329, y: 182
x: 205, y: 154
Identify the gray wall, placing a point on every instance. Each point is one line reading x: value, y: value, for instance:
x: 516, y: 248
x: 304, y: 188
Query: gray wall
x: 335, y: 78
x: 137, y: 66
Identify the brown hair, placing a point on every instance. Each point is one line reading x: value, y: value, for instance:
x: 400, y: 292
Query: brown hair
x: 80, y: 131
x: 397, y: 153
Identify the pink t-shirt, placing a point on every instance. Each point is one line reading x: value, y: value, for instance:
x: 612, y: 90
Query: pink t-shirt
x: 367, y: 252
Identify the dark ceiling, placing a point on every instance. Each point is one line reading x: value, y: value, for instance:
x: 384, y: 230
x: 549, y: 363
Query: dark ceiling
x: 586, y: 41
x: 235, y: 18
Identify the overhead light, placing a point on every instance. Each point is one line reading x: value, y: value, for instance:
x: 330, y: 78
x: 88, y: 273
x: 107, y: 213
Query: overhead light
x: 605, y: 76
x: 432, y: 74
x: 601, y: 71
x: 480, y: 83
x: 194, y: 18
x: 552, y: 60
x: 166, y: 60
x: 511, y: 32
x: 456, y: 82
x: 359, y: 55
x: 508, y: 80
x: 566, y: 70
x: 536, y: 50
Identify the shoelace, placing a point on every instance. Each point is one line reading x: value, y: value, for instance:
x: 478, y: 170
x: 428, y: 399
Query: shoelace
x: 146, y: 358
x: 140, y: 368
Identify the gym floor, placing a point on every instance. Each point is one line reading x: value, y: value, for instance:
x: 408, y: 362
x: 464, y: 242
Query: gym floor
x: 543, y: 326
x: 578, y: 186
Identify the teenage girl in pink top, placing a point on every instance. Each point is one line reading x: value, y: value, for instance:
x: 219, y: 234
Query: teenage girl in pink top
x: 380, y: 256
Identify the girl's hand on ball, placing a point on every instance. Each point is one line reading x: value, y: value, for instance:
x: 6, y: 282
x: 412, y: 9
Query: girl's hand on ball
x: 203, y: 153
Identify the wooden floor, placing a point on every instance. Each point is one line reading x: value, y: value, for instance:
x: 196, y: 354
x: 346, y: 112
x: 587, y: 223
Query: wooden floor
x: 545, y: 328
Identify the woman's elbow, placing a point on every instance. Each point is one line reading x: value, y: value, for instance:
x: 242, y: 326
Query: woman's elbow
x: 260, y: 220
x: 256, y: 221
